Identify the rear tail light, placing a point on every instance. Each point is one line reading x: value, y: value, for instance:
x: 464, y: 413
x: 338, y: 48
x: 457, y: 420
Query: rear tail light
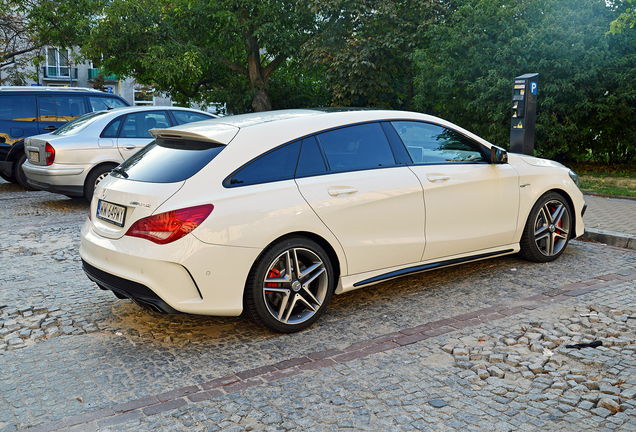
x: 49, y: 153
x: 170, y: 226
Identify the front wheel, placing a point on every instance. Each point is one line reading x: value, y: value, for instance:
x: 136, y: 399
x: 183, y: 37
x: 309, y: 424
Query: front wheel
x: 547, y: 230
x: 290, y: 286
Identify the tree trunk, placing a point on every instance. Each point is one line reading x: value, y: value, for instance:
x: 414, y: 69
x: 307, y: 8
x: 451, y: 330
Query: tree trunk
x: 261, y: 101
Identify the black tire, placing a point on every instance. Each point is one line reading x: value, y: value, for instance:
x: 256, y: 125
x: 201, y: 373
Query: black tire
x: 19, y: 174
x: 548, y: 229
x: 95, y: 177
x: 290, y: 303
x: 10, y: 179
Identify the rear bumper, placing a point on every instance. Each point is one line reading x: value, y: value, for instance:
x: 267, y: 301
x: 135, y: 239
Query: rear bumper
x: 140, y: 294
x: 187, y: 276
x: 66, y: 190
x: 67, y: 181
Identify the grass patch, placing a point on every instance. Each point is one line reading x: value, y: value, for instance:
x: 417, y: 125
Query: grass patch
x: 611, y: 180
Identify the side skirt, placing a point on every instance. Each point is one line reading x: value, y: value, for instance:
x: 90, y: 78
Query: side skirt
x: 430, y: 266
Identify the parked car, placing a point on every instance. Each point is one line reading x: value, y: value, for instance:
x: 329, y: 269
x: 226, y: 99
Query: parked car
x: 27, y: 111
x: 274, y: 212
x: 74, y: 158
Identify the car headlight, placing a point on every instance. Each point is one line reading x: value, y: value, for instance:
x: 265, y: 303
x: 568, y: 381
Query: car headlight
x: 575, y: 178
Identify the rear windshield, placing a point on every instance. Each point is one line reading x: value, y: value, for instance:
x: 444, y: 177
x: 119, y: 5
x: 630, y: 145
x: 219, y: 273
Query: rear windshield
x: 168, y: 161
x: 78, y: 124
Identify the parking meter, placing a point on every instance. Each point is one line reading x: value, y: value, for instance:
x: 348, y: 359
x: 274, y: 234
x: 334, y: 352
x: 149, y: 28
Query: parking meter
x: 524, y: 113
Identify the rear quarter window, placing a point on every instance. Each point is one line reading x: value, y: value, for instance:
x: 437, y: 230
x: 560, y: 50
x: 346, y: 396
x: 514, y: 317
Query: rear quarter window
x: 277, y: 165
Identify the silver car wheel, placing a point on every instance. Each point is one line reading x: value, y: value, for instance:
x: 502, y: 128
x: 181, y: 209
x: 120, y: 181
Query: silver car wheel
x: 552, y: 228
x: 295, y: 286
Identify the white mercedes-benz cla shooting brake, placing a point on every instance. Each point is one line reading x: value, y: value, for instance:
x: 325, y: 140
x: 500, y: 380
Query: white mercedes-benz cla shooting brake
x: 274, y: 212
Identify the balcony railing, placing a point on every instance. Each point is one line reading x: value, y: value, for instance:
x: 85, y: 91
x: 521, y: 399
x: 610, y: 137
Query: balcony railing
x: 92, y: 73
x: 60, y: 73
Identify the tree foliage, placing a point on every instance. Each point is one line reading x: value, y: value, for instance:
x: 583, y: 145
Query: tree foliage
x: 364, y: 49
x: 207, y: 51
x: 587, y: 79
x: 627, y: 19
x: 28, y: 25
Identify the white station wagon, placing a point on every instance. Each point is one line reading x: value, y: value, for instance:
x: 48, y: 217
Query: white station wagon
x: 274, y: 212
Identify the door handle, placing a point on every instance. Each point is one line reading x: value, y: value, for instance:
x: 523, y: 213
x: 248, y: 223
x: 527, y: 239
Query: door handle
x: 51, y: 128
x: 433, y: 178
x: 130, y: 147
x: 342, y: 191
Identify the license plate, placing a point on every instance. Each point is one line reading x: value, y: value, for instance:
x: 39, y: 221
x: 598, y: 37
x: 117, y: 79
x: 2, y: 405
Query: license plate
x: 112, y: 213
x: 34, y: 156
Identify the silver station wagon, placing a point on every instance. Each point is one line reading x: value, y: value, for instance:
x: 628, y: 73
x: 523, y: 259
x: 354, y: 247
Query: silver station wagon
x: 76, y: 157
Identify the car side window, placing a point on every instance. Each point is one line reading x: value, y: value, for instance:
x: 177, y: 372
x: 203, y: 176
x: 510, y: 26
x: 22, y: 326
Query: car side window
x: 276, y: 165
x: 310, y: 161
x: 100, y: 103
x: 434, y: 144
x: 69, y: 107
x: 46, y: 109
x: 356, y: 147
x: 113, y: 127
x: 138, y: 124
x: 184, y: 117
x: 17, y: 108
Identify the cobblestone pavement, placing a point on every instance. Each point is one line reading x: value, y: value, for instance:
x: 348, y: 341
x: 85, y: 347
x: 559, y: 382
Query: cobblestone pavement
x: 613, y: 214
x: 611, y: 221
x: 394, y: 356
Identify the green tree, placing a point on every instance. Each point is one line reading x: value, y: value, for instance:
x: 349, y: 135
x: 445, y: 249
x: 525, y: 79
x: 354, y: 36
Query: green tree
x: 364, y: 49
x: 199, y: 50
x: 587, y: 79
x: 28, y: 25
x: 627, y: 19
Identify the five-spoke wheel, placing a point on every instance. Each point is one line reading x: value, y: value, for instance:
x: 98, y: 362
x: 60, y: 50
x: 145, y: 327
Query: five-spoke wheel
x: 547, y: 230
x: 290, y: 286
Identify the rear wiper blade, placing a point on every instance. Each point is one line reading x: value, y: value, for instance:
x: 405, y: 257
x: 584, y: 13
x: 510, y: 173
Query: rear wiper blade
x: 120, y: 171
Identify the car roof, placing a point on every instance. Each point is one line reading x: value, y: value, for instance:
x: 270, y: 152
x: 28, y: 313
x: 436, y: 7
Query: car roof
x: 223, y: 130
x: 126, y: 110
x: 53, y: 89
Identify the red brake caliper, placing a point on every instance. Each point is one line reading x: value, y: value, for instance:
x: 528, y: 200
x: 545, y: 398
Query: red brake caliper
x: 560, y: 223
x: 273, y: 273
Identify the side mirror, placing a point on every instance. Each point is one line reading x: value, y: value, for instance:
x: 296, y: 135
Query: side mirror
x: 498, y: 155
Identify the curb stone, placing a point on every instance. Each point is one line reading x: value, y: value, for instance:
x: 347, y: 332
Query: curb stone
x: 610, y: 238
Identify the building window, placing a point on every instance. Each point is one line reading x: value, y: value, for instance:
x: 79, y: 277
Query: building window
x: 144, y: 96
x: 57, y: 63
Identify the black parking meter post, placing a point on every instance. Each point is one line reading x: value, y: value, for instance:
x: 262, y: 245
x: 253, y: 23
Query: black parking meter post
x: 524, y: 113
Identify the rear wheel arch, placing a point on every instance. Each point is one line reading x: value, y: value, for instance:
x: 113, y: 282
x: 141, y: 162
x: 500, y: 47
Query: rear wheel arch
x: 322, y: 242
x: 291, y: 282
x: 94, y: 174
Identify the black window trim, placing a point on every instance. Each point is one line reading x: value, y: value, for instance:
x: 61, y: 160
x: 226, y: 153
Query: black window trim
x: 484, y: 152
x: 322, y: 154
x: 101, y: 134
x: 226, y: 182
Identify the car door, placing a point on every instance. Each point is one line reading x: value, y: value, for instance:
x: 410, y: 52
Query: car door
x: 471, y: 204
x: 371, y: 204
x: 55, y: 111
x: 134, y: 135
